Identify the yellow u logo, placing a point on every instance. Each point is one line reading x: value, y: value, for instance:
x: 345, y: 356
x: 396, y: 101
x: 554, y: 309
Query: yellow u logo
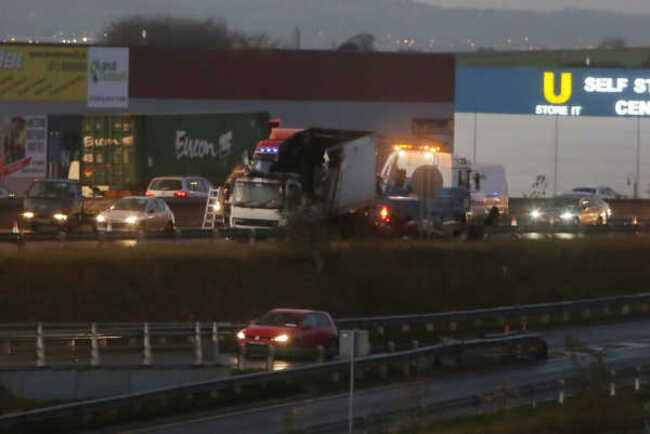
x: 565, y: 90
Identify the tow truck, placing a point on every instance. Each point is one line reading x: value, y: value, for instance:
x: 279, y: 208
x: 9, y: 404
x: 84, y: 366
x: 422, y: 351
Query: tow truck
x: 425, y: 187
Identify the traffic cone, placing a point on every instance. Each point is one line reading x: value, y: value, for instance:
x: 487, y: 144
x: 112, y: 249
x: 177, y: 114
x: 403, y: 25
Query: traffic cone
x: 109, y: 225
x: 513, y: 222
x: 506, y: 329
x: 635, y: 221
x: 524, y: 325
x: 15, y: 229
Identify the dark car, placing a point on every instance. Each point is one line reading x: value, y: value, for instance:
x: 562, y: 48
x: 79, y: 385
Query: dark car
x: 290, y: 332
x: 53, y: 202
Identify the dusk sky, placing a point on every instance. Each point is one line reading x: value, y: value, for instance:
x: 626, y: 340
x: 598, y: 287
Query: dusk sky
x: 628, y: 6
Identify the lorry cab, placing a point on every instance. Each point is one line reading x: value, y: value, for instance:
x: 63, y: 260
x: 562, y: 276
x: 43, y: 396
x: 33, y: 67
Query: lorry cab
x: 264, y: 202
x: 405, y: 159
x: 266, y: 151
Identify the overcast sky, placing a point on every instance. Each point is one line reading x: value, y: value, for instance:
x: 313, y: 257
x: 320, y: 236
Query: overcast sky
x: 629, y: 6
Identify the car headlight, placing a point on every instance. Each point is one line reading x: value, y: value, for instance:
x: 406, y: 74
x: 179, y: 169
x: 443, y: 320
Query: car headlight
x: 241, y: 335
x: 535, y: 214
x: 566, y: 216
x: 216, y: 206
x: 28, y: 215
x: 100, y: 219
x: 131, y: 220
x: 609, y: 212
x: 60, y: 217
x: 282, y: 339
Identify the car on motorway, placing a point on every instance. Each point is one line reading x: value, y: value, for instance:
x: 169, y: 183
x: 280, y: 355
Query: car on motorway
x: 571, y: 210
x: 179, y: 186
x: 137, y: 213
x: 600, y: 191
x: 6, y: 194
x: 290, y: 332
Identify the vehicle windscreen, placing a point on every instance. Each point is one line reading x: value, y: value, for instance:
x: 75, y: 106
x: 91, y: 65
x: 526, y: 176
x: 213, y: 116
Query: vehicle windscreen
x: 130, y: 204
x: 281, y: 319
x: 585, y: 190
x: 250, y: 194
x: 564, y: 202
x: 49, y: 190
x: 166, y: 184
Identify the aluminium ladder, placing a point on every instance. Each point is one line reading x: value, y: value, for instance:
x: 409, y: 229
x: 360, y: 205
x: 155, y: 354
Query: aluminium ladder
x: 210, y: 215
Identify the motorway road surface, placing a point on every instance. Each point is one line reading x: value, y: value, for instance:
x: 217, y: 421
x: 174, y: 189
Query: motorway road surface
x: 624, y: 343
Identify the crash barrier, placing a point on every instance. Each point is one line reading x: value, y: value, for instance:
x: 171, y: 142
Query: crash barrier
x: 622, y: 209
x: 515, y: 317
x: 474, y: 231
x: 73, y: 343
x: 404, y: 362
x: 179, y: 234
x: 114, y: 344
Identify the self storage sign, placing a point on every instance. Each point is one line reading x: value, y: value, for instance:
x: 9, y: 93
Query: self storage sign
x: 553, y: 92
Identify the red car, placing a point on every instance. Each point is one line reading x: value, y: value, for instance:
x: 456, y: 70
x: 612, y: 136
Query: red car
x: 290, y: 332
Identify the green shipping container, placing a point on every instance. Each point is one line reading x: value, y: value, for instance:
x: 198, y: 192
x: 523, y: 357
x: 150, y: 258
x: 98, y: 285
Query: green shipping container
x: 125, y: 152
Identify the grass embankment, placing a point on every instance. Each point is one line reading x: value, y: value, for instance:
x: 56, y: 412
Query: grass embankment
x: 586, y: 415
x: 232, y: 281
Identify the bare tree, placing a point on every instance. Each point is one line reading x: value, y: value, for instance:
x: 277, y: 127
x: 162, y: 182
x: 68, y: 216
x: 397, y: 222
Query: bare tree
x: 171, y: 32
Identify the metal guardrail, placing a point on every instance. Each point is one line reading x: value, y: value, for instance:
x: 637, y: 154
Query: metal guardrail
x: 198, y: 335
x: 504, y: 312
x: 168, y: 393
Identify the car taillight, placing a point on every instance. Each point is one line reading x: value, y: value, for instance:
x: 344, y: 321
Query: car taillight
x: 180, y: 194
x: 148, y: 193
x: 384, y: 213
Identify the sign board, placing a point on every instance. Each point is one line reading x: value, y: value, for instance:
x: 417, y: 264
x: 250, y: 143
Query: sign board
x: 43, y: 73
x: 23, y: 146
x: 553, y: 92
x: 108, y: 77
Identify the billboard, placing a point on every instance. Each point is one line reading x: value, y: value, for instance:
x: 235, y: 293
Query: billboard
x: 43, y: 73
x: 108, y: 77
x: 23, y: 146
x: 553, y: 92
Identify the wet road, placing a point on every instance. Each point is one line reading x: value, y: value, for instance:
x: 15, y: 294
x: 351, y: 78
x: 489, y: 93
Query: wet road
x: 626, y: 343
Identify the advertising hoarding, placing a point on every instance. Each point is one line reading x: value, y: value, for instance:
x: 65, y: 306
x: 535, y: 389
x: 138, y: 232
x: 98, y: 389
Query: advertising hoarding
x: 108, y: 77
x: 43, y: 73
x: 554, y: 92
x: 23, y: 146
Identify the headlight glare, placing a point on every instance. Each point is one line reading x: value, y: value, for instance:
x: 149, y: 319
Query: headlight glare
x: 282, y: 339
x: 535, y: 214
x: 60, y: 217
x: 566, y: 216
x: 100, y: 219
x: 131, y: 220
x: 241, y: 335
x: 28, y: 215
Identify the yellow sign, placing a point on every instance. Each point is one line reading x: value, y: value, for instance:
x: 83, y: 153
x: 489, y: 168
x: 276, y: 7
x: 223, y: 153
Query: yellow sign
x: 566, y: 88
x: 43, y: 73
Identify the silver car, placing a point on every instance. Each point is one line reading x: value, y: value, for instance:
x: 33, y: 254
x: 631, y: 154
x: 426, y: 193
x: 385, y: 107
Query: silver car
x: 137, y: 213
x: 179, y: 186
x: 571, y: 210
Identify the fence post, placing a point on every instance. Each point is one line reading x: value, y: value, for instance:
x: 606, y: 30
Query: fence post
x: 637, y: 380
x: 198, y: 346
x: 612, y: 385
x: 560, y: 398
x: 147, y: 346
x: 270, y: 356
x: 94, y: 348
x: 215, y: 341
x: 40, y: 346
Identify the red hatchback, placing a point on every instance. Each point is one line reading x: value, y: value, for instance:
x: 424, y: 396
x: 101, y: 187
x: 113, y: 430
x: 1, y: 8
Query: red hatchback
x: 290, y: 332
